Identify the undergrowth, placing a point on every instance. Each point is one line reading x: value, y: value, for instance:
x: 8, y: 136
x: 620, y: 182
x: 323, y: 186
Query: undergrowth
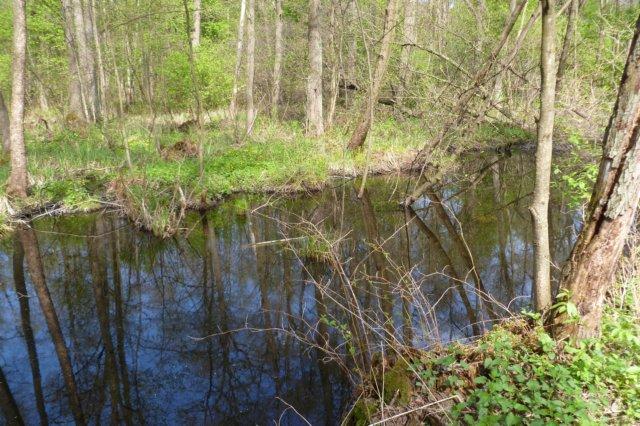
x: 518, y: 374
x: 152, y: 177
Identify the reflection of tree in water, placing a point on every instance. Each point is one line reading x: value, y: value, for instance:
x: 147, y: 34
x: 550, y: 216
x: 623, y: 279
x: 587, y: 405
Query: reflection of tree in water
x: 127, y: 305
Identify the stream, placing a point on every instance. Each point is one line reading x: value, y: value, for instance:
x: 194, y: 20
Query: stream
x: 235, y: 319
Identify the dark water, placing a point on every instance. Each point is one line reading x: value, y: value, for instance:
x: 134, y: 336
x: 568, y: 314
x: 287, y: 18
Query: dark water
x: 100, y: 321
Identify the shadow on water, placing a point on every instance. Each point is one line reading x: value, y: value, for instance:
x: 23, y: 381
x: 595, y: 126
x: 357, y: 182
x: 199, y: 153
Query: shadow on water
x: 243, y: 317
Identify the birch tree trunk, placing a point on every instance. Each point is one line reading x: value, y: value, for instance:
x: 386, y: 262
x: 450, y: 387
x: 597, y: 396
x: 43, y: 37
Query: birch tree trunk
x: 197, y: 18
x: 233, y: 105
x: 4, y: 126
x: 364, y: 122
x: 592, y: 264
x: 315, y: 123
x: 277, y: 61
x: 409, y: 40
x: 251, y: 45
x: 18, y: 183
x: 540, y: 206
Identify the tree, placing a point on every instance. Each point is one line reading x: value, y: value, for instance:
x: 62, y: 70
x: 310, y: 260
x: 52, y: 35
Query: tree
x: 251, y: 58
x: 364, y: 122
x: 277, y: 61
x: 540, y: 205
x: 569, y: 37
x: 315, y: 121
x: 4, y: 125
x: 592, y: 264
x: 75, y: 86
x: 18, y: 178
x: 195, y: 34
x: 409, y: 40
x: 233, y: 106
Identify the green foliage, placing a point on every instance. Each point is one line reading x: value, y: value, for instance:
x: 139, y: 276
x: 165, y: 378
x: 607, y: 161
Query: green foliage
x: 521, y: 376
x: 575, y: 173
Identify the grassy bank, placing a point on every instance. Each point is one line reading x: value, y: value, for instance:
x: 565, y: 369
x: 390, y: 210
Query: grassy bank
x: 518, y: 374
x: 155, y: 177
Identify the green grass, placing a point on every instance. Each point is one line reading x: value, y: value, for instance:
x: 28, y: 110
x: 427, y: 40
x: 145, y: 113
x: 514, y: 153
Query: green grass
x: 76, y: 167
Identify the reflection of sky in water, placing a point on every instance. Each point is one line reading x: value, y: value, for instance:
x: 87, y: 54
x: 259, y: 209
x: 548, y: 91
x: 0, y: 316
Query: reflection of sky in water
x: 235, y: 377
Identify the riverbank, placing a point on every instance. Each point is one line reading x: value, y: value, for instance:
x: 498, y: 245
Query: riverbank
x: 518, y: 374
x: 155, y: 178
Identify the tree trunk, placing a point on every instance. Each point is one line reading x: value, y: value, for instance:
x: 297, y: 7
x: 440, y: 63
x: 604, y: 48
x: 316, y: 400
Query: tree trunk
x: 364, y: 122
x: 593, y: 262
x: 8, y: 405
x: 75, y: 87
x: 197, y: 18
x: 99, y: 74
x: 18, y: 178
x: 540, y: 206
x: 4, y: 126
x: 409, y: 40
x: 277, y: 61
x: 350, y: 73
x: 251, y: 45
x: 569, y: 37
x: 27, y: 329
x: 85, y: 59
x: 233, y: 105
x: 35, y: 267
x: 315, y: 123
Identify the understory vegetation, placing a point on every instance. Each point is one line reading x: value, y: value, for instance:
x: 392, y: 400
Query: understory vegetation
x: 155, y: 177
x: 519, y: 374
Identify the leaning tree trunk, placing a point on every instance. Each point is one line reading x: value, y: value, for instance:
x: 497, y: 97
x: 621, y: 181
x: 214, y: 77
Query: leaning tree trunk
x: 614, y: 203
x: 4, y: 125
x: 315, y: 123
x: 540, y: 206
x: 364, y: 122
x: 18, y: 178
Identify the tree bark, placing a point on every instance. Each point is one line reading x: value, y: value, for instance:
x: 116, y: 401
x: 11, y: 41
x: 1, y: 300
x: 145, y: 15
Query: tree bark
x: 4, y: 126
x: 315, y: 123
x: 84, y: 58
x: 540, y: 206
x: 364, y: 122
x: 75, y: 87
x: 251, y: 45
x: 277, y: 61
x: 18, y: 178
x: 197, y: 19
x: 233, y: 105
x: 592, y: 264
x: 409, y: 40
x: 569, y: 37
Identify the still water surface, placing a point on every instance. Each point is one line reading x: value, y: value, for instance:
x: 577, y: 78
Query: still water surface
x: 100, y: 321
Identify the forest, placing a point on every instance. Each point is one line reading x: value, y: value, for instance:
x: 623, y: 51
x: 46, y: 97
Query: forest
x: 301, y: 212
